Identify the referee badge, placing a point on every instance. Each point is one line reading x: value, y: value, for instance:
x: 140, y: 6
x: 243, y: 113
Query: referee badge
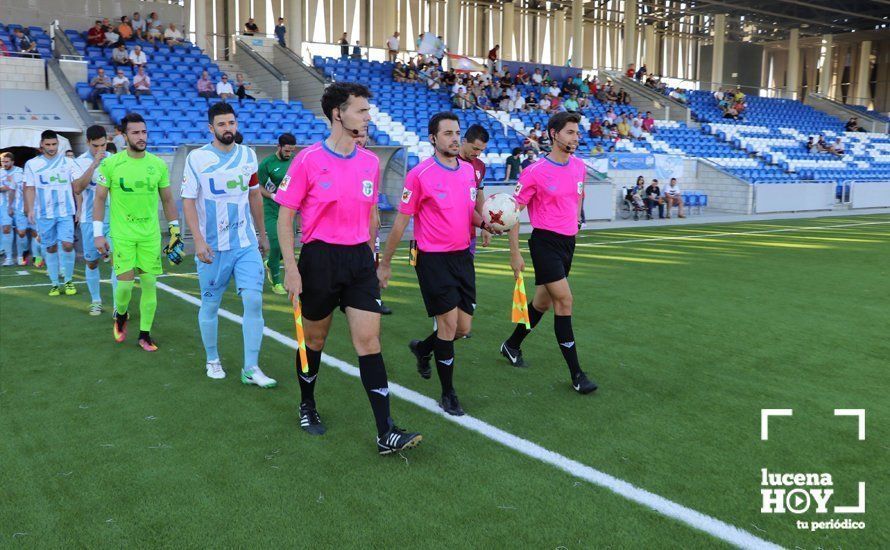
x: 284, y: 182
x: 367, y: 188
x: 580, y: 187
x: 473, y: 194
x: 406, y: 195
x: 518, y: 189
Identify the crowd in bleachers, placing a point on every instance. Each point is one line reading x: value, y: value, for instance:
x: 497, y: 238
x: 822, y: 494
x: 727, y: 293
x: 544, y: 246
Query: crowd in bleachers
x: 151, y: 29
x: 24, y: 41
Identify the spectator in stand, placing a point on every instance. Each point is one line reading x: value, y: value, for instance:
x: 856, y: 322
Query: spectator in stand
x: 392, y: 46
x: 571, y: 103
x: 119, y: 140
x: 537, y: 79
x: 250, y: 27
x: 120, y: 83
x: 522, y: 77
x: 545, y: 103
x: 101, y: 84
x: 653, y: 199
x: 281, y: 30
x: 636, y: 128
x: 649, y: 123
x: 96, y: 36
x: 344, y: 46
x: 459, y: 97
x: 493, y: 57
x: 110, y: 33
x: 433, y: 80
x: 852, y: 125
x: 23, y: 42
x: 679, y: 94
x: 673, y: 196
x: 623, y: 128
x: 611, y: 96
x: 241, y: 88
x: 206, y: 89
x: 623, y: 97
x: 611, y: 116
x: 399, y: 74
x: 224, y: 88
x: 141, y: 83
x: 138, y: 24
x: 641, y: 73
x: 153, y: 21
x: 357, y: 51
x: 731, y: 112
x: 596, y: 128
x: 119, y: 56
x: 838, y: 148
x: 810, y: 145
x: 138, y: 58
x: 514, y: 164
x: 124, y: 30
x: 483, y: 102
x: 631, y: 70
x: 172, y: 36
x: 530, y: 158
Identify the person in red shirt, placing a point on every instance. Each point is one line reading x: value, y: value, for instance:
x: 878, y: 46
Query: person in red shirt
x: 493, y: 57
x: 553, y: 190
x: 596, y: 128
x: 96, y: 35
x: 649, y: 122
x: 631, y: 71
x: 472, y: 145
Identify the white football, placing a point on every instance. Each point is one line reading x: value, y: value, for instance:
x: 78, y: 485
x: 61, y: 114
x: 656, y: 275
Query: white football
x: 500, y: 211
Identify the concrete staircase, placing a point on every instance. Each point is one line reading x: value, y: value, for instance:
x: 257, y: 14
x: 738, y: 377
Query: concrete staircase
x: 646, y: 99
x: 306, y: 84
x: 258, y: 91
x: 102, y: 119
x: 844, y: 112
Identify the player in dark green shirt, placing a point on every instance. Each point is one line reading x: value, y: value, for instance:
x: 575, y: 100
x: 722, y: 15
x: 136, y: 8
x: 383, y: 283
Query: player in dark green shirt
x: 270, y: 173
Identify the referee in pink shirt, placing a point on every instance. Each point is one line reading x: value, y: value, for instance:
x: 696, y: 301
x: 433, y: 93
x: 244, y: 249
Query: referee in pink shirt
x: 333, y: 184
x: 440, y: 193
x: 552, y: 189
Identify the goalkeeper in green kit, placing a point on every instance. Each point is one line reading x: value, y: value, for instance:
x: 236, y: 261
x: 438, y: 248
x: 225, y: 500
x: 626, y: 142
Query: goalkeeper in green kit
x: 270, y: 173
x: 135, y: 180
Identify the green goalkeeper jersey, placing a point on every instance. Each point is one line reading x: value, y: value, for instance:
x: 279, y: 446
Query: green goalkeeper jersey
x: 133, y: 185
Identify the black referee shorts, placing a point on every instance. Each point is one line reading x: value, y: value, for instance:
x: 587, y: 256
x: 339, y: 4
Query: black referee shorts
x: 337, y: 275
x: 447, y: 281
x: 551, y: 255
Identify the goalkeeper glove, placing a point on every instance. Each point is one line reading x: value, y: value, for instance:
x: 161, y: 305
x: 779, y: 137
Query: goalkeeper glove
x: 174, y: 248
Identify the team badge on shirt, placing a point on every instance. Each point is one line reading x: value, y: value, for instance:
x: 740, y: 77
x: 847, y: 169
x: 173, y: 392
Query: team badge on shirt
x: 367, y: 188
x: 406, y: 196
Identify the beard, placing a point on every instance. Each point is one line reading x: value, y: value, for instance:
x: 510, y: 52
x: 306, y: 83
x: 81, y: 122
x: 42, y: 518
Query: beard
x: 227, y: 138
x: 137, y: 146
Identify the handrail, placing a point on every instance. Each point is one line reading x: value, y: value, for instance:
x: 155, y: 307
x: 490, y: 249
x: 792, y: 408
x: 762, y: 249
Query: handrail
x: 251, y: 53
x: 846, y: 108
x: 649, y: 93
x: 297, y: 59
x: 61, y: 39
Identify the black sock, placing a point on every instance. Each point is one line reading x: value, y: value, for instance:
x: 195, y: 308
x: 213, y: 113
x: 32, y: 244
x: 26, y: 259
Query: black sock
x: 308, y: 379
x: 373, y: 374
x: 444, y: 351
x: 144, y: 334
x: 425, y: 347
x: 565, y: 337
x: 520, y: 332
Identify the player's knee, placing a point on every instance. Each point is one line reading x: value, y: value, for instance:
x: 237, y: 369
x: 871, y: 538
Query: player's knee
x: 67, y: 247
x: 7, y: 229
x: 93, y: 264
x: 366, y: 344
x: 315, y: 342
x: 563, y: 304
x: 253, y: 302
x: 52, y: 249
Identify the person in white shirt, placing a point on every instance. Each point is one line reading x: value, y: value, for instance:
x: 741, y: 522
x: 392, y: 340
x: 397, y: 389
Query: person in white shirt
x: 120, y: 83
x: 137, y: 57
x: 172, y: 35
x: 554, y: 90
x: 636, y: 129
x: 392, y: 44
x: 536, y: 77
x: 673, y: 196
x: 138, y: 24
x: 141, y: 83
x: 224, y: 88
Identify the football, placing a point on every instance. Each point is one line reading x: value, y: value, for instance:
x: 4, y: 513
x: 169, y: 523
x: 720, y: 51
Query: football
x: 500, y: 211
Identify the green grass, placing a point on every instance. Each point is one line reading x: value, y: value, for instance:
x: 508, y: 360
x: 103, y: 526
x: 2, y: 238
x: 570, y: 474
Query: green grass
x: 105, y: 445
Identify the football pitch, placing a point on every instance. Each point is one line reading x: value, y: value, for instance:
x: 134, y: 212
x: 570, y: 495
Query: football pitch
x: 689, y: 330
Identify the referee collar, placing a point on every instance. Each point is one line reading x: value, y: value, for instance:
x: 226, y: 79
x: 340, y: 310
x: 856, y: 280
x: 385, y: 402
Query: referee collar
x: 324, y: 144
x: 566, y: 163
x: 455, y: 169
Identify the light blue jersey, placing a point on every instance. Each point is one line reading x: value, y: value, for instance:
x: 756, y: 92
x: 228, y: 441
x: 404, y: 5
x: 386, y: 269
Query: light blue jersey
x: 81, y: 164
x: 220, y: 183
x: 13, y: 179
x: 51, y: 177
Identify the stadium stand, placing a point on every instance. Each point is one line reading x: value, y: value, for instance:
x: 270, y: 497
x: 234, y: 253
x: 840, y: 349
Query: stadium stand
x: 44, y: 42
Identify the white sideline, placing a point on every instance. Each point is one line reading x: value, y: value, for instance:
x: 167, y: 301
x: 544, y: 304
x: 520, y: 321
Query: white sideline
x: 721, y: 530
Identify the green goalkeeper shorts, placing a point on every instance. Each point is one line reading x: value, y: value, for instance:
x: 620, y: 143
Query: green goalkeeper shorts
x: 142, y: 254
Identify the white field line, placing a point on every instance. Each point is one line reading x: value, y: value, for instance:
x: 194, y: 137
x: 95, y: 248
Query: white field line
x: 714, y: 527
x: 34, y: 285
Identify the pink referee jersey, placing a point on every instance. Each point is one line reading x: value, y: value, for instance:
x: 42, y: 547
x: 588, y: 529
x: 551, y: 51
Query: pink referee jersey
x: 442, y: 201
x: 334, y: 194
x: 553, y: 192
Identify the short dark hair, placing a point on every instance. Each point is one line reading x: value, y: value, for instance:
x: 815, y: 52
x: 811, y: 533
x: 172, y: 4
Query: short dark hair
x: 131, y: 118
x: 337, y: 94
x: 48, y: 134
x: 95, y: 132
x: 286, y: 138
x: 476, y: 132
x: 433, y: 127
x: 217, y: 109
x: 558, y: 121
x: 673, y: 179
x: 111, y: 148
x: 516, y: 151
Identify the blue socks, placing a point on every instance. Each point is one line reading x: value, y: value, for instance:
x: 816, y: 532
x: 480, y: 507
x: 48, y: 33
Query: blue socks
x: 52, y: 267
x: 35, y: 247
x: 67, y: 265
x: 92, y: 276
x: 252, y: 326
x: 207, y: 321
x: 7, y: 244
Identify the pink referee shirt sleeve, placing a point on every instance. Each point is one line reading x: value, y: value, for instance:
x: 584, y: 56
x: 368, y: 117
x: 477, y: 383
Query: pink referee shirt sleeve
x: 525, y: 187
x: 294, y: 185
x: 410, y: 194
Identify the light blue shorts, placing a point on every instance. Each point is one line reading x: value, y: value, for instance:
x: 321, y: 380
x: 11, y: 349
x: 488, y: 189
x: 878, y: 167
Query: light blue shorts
x: 246, y: 264
x: 5, y: 218
x: 90, y: 253
x: 55, y: 230
x: 22, y: 223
